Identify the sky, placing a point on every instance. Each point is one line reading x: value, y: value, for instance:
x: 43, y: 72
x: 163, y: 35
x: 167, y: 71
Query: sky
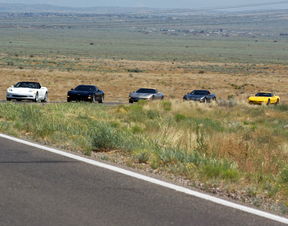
x: 192, y: 4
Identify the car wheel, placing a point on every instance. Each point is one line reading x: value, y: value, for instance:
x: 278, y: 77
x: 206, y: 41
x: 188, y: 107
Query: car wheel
x: 277, y: 102
x: 36, y: 98
x: 130, y: 101
x: 8, y: 99
x: 100, y: 101
x: 268, y: 102
x: 93, y: 100
x: 45, y: 98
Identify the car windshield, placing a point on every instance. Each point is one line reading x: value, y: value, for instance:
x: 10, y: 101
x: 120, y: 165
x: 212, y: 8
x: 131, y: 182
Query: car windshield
x: 85, y: 88
x: 200, y: 92
x: 31, y: 85
x: 146, y: 91
x: 264, y: 95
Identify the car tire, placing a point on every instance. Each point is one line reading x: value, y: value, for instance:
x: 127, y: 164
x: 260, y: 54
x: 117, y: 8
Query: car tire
x: 93, y: 100
x: 45, y: 100
x: 130, y: 101
x: 277, y: 102
x: 268, y: 102
x: 100, y: 101
x: 8, y: 99
x: 36, y: 98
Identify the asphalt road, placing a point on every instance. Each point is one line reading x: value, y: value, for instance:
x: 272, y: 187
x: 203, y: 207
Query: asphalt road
x: 38, y: 188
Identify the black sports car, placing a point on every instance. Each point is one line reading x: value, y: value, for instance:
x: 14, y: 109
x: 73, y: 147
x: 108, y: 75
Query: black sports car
x: 85, y: 93
x: 200, y: 95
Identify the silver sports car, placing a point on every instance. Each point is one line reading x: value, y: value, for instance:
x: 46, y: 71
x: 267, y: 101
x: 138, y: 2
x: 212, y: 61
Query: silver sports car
x: 145, y: 94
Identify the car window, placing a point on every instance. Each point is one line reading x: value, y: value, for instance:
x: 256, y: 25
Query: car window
x: 85, y: 88
x: 31, y: 85
x: 200, y: 92
x: 264, y: 95
x: 146, y: 91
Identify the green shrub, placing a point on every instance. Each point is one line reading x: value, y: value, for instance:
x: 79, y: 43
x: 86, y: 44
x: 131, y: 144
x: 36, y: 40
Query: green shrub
x: 151, y: 114
x: 284, y: 175
x: 106, y: 137
x: 166, y: 105
x: 221, y: 170
x: 180, y: 117
x: 142, y: 155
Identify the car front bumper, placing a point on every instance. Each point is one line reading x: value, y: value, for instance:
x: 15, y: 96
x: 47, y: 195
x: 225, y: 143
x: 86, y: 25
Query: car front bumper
x: 22, y: 96
x: 256, y: 102
x: 195, y: 99
x: 136, y: 99
x: 79, y: 98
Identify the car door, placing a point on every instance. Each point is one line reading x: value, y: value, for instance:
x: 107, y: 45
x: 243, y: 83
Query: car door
x: 97, y: 92
x: 273, y: 99
x: 42, y: 92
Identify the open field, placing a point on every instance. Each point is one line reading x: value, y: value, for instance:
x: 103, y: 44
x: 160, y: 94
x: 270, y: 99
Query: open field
x: 119, y: 77
x: 221, y: 37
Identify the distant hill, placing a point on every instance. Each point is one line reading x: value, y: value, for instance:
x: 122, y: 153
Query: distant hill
x: 46, y: 8
x: 7, y: 7
x: 39, y: 8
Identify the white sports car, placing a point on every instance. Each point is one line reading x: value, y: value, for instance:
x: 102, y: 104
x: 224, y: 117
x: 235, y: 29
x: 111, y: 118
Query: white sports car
x: 27, y: 91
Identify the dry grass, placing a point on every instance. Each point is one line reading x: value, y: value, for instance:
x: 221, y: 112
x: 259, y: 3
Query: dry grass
x: 174, y: 79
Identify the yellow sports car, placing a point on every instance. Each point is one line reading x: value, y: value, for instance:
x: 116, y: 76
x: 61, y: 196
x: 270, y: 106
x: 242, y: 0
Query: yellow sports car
x: 264, y: 98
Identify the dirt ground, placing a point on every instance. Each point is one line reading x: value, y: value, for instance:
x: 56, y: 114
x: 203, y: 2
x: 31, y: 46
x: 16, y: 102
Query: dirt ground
x: 174, y: 79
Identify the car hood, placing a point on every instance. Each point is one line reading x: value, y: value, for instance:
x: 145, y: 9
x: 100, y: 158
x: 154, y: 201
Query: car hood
x: 141, y: 95
x: 21, y: 90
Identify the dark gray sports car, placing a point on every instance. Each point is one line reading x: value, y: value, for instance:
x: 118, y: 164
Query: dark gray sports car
x: 200, y: 95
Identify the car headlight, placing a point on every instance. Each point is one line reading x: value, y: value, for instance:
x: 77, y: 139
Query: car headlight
x: 10, y: 90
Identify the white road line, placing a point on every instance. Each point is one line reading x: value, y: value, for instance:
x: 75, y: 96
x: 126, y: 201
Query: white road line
x: 153, y: 180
